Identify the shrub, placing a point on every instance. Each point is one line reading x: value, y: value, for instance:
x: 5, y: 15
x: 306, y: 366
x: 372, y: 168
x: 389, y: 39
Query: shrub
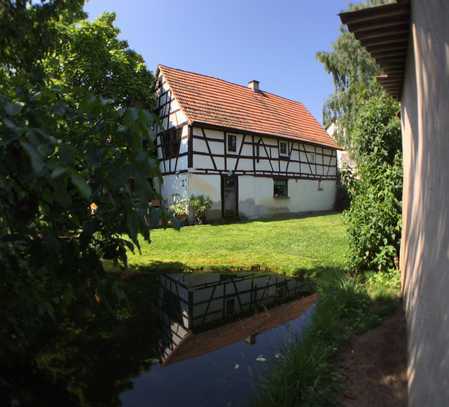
x: 199, y: 205
x: 374, y: 218
x: 179, y: 207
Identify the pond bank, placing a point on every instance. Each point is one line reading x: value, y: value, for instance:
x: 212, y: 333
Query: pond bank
x: 309, y: 375
x: 375, y: 366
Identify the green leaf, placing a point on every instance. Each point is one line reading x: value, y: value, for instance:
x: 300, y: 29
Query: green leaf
x: 57, y: 172
x: 13, y: 108
x: 36, y: 160
x: 82, y: 186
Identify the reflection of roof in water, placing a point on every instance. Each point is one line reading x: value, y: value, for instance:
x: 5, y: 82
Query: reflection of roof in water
x: 194, y: 345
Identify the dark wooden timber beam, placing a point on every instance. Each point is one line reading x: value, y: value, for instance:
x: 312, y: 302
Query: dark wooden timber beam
x: 385, y: 23
x: 373, y: 14
x: 386, y: 41
x: 382, y: 32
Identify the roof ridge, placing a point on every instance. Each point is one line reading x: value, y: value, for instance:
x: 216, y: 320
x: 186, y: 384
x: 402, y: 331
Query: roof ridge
x: 232, y: 83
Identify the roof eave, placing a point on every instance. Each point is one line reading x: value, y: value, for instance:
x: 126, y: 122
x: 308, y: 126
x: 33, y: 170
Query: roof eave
x: 384, y: 31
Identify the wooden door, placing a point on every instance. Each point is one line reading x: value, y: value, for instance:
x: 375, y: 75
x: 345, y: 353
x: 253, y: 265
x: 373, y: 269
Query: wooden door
x: 229, y: 194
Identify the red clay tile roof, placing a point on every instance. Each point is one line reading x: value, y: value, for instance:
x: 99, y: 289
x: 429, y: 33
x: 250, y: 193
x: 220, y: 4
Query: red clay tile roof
x: 205, y: 99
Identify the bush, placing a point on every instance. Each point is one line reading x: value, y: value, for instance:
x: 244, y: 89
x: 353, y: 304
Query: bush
x: 199, y: 205
x: 179, y: 207
x: 374, y: 218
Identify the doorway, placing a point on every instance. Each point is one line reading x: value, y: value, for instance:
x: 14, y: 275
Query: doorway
x: 229, y: 196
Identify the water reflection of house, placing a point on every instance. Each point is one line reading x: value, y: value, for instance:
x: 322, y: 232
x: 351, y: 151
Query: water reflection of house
x: 203, y: 312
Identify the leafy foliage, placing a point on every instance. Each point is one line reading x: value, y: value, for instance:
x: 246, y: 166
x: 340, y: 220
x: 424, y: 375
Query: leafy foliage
x: 199, y: 205
x: 374, y: 218
x: 179, y: 207
x: 91, y: 59
x: 368, y: 127
x: 353, y: 71
x: 69, y: 146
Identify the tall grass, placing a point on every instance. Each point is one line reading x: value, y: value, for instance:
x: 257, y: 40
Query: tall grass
x: 308, y: 374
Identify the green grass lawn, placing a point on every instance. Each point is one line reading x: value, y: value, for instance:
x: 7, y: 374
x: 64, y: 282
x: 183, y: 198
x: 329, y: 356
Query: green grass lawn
x: 279, y: 245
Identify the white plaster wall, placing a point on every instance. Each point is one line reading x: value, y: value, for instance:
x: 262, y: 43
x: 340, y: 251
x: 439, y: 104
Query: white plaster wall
x: 174, y: 186
x: 209, y: 185
x: 425, y: 236
x: 256, y: 197
x: 217, y: 146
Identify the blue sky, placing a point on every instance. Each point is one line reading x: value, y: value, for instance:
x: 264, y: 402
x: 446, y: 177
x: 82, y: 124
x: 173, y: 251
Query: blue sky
x: 273, y: 41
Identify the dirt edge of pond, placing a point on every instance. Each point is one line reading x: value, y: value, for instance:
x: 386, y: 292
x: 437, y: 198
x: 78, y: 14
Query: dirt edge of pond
x: 374, y: 366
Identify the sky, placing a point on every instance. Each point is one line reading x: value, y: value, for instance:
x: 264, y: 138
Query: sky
x: 273, y: 41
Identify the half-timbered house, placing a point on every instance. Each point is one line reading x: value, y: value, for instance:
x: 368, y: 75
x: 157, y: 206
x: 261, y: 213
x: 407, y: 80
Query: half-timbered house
x: 253, y: 153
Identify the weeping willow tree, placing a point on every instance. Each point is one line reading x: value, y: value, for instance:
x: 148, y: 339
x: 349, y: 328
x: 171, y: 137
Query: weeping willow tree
x: 353, y: 71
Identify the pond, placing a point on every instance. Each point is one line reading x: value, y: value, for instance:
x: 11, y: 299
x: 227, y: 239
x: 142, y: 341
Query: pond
x: 204, y: 339
x: 220, y: 332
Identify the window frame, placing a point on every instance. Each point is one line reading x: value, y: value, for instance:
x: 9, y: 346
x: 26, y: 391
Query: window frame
x: 282, y: 194
x: 231, y: 142
x: 171, y: 142
x: 283, y: 144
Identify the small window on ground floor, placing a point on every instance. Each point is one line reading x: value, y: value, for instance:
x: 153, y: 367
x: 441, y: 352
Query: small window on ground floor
x: 280, y: 187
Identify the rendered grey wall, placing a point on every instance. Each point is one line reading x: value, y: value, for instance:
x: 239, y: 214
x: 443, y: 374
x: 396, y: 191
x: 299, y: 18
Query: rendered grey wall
x: 425, y: 244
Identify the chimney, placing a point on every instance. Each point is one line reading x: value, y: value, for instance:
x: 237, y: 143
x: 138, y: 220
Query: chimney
x: 254, y: 85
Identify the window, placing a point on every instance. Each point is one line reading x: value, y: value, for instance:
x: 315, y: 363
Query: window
x: 283, y: 148
x: 171, y: 141
x: 280, y: 188
x: 232, y: 143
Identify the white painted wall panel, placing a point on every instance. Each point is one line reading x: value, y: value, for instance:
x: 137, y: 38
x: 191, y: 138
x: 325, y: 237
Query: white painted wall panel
x: 202, y: 161
x: 256, y: 197
x: 209, y: 185
x: 268, y: 148
x: 245, y: 164
x: 174, y: 186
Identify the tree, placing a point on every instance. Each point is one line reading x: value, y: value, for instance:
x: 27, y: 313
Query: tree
x: 70, y: 141
x: 353, y: 71
x: 368, y: 126
x: 90, y: 58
